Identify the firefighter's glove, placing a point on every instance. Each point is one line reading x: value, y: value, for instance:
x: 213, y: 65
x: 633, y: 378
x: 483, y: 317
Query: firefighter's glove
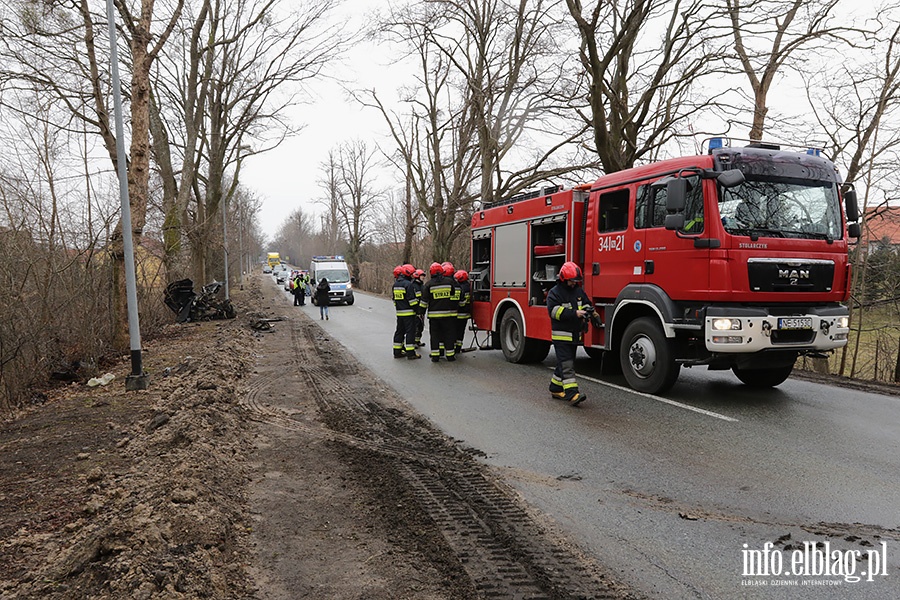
x: 592, y: 316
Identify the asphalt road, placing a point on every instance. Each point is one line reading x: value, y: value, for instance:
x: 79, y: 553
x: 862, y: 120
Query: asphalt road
x: 691, y: 495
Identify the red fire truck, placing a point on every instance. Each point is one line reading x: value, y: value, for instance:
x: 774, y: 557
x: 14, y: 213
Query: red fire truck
x: 735, y: 259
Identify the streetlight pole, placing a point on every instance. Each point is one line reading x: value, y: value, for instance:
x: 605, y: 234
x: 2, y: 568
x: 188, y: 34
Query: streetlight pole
x: 138, y: 380
x: 225, y: 241
x: 240, y: 157
x: 241, y: 245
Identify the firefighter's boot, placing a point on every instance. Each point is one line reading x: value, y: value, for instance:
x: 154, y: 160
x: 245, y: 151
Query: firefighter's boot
x: 575, y: 398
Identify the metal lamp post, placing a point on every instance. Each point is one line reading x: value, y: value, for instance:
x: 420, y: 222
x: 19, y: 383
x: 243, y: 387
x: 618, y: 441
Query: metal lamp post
x: 138, y: 380
x: 241, y: 150
x: 225, y: 242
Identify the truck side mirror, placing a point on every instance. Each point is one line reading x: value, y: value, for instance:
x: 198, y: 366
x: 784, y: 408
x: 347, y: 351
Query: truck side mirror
x: 853, y: 230
x: 730, y: 178
x: 852, y: 205
x: 676, y: 192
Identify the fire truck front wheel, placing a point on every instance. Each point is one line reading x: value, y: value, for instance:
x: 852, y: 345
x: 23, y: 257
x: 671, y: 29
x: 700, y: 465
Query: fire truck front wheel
x: 516, y: 347
x: 646, y: 356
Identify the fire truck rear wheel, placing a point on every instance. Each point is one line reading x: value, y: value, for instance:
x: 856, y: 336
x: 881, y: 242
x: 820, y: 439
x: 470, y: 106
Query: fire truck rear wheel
x: 763, y: 378
x: 646, y: 356
x: 516, y: 347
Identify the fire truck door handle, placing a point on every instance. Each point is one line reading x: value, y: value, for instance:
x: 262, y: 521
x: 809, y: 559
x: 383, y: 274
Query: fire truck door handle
x: 595, y: 269
x: 648, y: 267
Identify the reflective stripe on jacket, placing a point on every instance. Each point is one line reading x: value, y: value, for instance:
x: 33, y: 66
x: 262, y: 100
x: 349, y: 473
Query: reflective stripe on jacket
x: 465, y: 300
x: 562, y: 304
x: 440, y: 297
x: 405, y: 301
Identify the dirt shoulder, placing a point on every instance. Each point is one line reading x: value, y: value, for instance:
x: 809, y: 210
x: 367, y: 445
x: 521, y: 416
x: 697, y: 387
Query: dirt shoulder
x: 261, y: 464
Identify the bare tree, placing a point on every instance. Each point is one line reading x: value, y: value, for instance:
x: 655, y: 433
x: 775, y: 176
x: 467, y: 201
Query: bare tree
x: 507, y: 57
x: 249, y: 61
x: 856, y: 105
x: 770, y: 35
x: 297, y: 237
x: 56, y: 50
x: 640, y: 86
x: 436, y: 147
x: 357, y: 200
x: 330, y: 182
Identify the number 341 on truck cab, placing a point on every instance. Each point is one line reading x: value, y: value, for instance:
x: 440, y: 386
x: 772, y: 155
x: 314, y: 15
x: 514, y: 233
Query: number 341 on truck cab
x: 735, y: 259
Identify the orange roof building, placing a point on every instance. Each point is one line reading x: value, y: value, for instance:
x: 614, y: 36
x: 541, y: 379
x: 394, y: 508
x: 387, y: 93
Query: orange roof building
x: 881, y: 227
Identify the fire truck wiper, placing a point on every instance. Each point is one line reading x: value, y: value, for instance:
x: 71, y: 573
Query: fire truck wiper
x: 815, y: 235
x: 754, y: 232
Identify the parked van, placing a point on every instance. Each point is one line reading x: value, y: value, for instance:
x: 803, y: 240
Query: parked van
x: 335, y: 270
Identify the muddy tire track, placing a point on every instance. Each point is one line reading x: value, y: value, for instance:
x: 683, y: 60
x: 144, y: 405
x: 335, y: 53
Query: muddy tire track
x: 477, y: 526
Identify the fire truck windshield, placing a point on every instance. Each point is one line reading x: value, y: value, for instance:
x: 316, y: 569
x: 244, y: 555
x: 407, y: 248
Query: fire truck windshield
x: 780, y: 207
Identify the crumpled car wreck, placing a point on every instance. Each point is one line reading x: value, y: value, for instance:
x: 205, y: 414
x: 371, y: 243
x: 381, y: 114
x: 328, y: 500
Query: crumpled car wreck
x: 190, y: 306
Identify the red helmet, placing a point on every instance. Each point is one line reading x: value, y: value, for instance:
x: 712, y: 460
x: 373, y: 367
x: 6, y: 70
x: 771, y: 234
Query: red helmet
x: 408, y: 269
x: 435, y: 269
x: 570, y: 272
x: 461, y: 276
x: 448, y: 268
x: 418, y: 273
x: 397, y: 270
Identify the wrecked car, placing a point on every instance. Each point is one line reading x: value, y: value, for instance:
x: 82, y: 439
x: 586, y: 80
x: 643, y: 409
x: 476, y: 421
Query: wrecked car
x: 191, y: 306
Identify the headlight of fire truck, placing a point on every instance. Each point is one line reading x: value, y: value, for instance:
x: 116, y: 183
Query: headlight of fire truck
x: 843, y: 322
x: 726, y: 324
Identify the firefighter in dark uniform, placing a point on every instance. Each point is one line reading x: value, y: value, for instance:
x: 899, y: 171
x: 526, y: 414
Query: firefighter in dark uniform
x: 417, y: 284
x: 399, y: 332
x: 569, y: 309
x: 440, y: 298
x: 465, y: 307
x: 406, y: 305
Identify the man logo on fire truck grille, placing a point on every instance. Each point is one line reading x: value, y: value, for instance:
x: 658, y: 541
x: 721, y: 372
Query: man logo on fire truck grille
x: 793, y: 273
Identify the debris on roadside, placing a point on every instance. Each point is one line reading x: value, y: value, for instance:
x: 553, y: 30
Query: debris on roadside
x: 190, y: 306
x: 264, y: 324
x: 104, y: 380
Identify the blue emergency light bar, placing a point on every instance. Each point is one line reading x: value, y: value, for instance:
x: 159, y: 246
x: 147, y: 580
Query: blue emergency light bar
x: 328, y: 258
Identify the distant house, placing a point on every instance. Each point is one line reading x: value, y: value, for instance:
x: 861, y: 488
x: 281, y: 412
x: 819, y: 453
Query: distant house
x: 881, y: 227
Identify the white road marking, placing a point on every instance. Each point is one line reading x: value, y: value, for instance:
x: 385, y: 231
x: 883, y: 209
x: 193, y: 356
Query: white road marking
x: 702, y: 411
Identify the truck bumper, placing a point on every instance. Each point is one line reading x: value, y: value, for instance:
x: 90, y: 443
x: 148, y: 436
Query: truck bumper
x: 341, y: 296
x: 743, y: 329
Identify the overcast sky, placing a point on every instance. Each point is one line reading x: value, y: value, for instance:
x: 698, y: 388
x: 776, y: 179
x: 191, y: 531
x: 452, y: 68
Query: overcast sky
x: 286, y: 178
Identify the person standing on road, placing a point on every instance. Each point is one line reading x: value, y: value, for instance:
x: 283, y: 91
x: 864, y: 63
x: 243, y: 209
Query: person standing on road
x: 465, y: 307
x: 450, y: 273
x: 298, y: 288
x: 406, y: 305
x: 417, y: 284
x: 399, y: 331
x: 440, y: 297
x: 322, y: 298
x: 567, y: 304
